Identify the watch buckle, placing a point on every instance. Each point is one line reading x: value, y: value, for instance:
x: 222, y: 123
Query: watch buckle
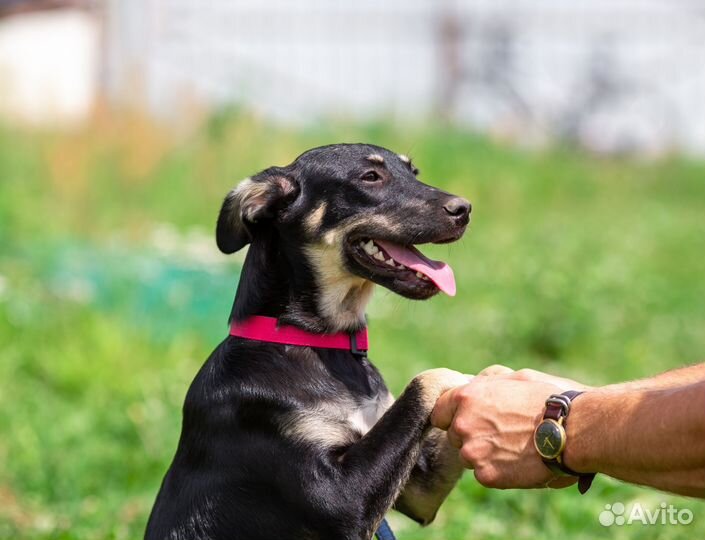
x: 562, y: 401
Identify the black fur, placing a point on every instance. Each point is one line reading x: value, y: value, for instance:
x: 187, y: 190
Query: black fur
x: 242, y: 469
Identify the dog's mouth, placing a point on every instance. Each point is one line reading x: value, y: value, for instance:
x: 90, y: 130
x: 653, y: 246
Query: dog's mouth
x: 403, y: 269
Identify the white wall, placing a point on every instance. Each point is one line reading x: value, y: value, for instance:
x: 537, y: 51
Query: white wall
x: 299, y: 60
x: 48, y: 66
x: 614, y: 75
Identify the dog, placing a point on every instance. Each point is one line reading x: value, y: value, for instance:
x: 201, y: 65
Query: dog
x: 281, y: 441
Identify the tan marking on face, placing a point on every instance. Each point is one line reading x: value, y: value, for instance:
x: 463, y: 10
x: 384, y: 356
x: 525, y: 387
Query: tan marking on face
x: 315, y: 218
x: 343, y: 296
x: 375, y: 158
x: 404, y: 158
x: 335, y: 237
x: 331, y: 237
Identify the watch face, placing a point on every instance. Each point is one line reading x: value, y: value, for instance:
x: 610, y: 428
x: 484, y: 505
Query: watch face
x: 549, y: 439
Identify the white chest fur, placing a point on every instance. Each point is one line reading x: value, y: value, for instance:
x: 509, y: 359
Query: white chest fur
x: 336, y: 423
x: 366, y: 414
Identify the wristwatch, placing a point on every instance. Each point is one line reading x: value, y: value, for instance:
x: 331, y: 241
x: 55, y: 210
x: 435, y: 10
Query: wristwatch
x: 550, y: 437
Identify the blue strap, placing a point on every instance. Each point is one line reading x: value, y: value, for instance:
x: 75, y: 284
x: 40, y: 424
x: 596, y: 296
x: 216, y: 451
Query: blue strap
x: 384, y: 532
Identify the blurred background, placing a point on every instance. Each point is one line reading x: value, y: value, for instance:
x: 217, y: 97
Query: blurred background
x: 577, y: 130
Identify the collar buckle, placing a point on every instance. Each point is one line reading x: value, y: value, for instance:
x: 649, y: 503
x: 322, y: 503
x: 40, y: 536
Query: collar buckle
x: 353, y: 347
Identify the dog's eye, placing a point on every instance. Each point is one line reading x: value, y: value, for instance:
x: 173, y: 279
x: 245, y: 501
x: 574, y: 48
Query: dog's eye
x: 371, y: 176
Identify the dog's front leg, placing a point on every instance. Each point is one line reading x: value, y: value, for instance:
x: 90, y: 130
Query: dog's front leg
x: 435, y: 474
x: 378, y: 465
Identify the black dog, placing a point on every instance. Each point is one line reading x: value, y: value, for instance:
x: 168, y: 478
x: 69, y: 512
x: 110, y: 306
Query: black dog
x: 291, y: 442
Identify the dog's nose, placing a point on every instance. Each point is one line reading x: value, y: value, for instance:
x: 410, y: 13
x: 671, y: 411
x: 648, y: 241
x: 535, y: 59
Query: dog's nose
x: 458, y: 207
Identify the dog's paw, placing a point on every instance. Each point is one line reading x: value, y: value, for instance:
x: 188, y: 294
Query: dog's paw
x: 434, y: 382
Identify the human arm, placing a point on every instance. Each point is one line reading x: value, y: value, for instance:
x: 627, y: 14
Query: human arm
x: 652, y: 437
x: 668, y: 379
x: 649, y: 432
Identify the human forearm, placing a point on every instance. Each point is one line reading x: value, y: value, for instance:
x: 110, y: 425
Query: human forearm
x: 653, y: 436
x: 650, y: 437
x: 683, y: 482
x: 669, y: 379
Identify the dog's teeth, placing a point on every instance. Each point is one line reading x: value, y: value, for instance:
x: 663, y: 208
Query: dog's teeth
x: 390, y: 262
x: 419, y: 274
x: 370, y: 248
x: 401, y: 267
x: 362, y: 244
x: 379, y: 256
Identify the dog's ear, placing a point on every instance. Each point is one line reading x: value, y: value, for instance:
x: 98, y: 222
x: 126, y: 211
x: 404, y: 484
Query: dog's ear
x: 253, y: 202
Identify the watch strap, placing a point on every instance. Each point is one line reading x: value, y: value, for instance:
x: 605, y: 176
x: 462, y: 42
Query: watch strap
x: 584, y: 479
x: 557, y: 407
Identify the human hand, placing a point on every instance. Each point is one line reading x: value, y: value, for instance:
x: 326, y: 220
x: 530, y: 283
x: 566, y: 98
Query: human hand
x: 527, y: 374
x: 492, y: 419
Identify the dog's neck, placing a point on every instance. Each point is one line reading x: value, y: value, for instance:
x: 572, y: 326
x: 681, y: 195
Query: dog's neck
x: 305, y: 287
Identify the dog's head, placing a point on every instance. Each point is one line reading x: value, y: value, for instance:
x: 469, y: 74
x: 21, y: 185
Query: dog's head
x: 352, y: 213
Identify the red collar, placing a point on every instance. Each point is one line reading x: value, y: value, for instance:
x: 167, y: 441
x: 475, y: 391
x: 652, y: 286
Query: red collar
x: 267, y: 329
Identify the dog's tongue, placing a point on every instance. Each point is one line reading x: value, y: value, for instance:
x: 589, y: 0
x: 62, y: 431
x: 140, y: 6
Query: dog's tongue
x: 437, y: 271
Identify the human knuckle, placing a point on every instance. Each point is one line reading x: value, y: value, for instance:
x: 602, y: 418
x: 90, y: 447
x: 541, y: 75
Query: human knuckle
x: 461, y: 426
x: 487, y: 476
x: 467, y: 452
x: 495, y: 369
x: 525, y: 374
x: 464, y: 396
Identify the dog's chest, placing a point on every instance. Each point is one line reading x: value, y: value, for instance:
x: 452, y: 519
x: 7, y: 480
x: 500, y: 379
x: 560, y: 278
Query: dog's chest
x: 336, y: 422
x: 367, y: 412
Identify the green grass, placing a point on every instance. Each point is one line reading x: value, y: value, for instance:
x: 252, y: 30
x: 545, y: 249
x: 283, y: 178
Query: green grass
x: 112, y: 295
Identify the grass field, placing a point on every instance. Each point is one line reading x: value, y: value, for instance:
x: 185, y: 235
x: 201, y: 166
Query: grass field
x: 112, y: 294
